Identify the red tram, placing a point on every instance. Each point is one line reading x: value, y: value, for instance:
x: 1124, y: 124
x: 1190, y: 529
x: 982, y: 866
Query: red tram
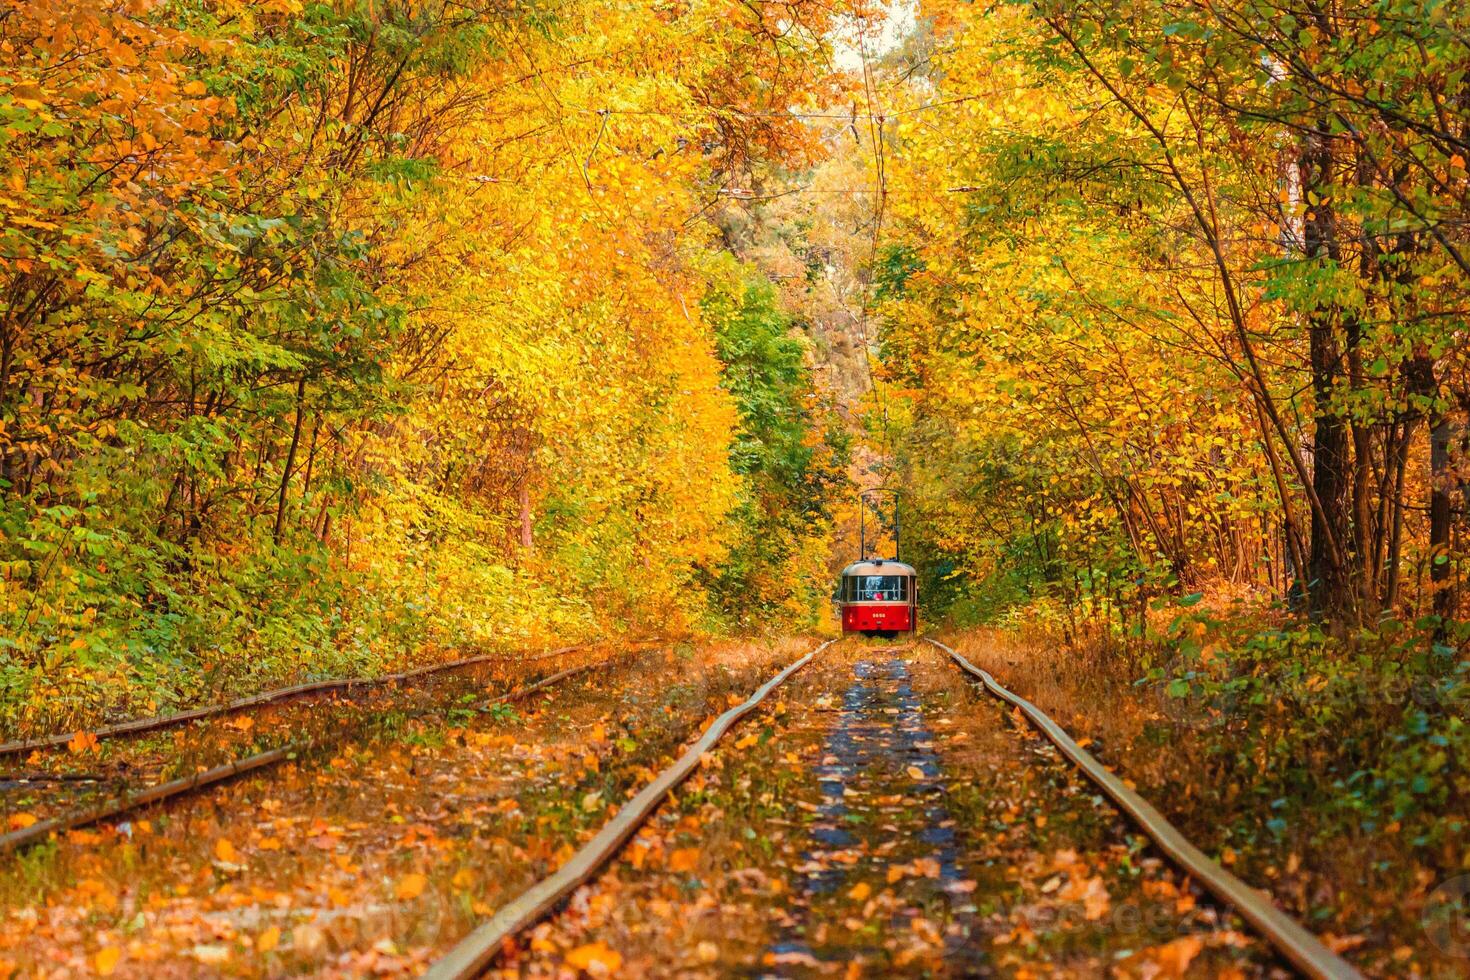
x: 878, y: 596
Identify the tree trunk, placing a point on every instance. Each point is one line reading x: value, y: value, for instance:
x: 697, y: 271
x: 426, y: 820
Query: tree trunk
x: 290, y: 461
x: 527, y: 541
x: 1439, y: 515
x: 1329, y: 574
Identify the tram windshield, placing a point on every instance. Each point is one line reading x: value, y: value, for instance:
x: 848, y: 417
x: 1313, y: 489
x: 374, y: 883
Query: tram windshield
x: 877, y: 588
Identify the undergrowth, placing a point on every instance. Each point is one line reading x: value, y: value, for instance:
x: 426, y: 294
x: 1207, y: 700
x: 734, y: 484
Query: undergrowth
x: 1329, y: 769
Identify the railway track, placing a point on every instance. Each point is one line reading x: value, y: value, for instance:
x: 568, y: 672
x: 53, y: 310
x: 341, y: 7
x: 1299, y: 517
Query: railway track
x: 139, y: 726
x: 427, y: 801
x: 1293, y: 944
x: 137, y: 798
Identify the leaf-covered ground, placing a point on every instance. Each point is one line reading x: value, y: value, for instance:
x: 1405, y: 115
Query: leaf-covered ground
x: 88, y: 771
x: 1280, y: 790
x: 374, y: 859
x: 878, y: 817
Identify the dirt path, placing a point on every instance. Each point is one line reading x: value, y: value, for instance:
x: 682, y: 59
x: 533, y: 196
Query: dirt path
x: 885, y: 819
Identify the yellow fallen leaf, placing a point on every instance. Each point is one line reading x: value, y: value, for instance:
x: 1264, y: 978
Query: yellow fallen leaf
x: 747, y: 741
x: 860, y: 891
x: 595, y: 957
x: 20, y: 821
x: 915, y: 772
x: 226, y: 852
x: 268, y: 940
x: 411, y: 886
x: 106, y: 960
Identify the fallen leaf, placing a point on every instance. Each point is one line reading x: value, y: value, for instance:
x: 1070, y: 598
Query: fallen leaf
x: 20, y: 821
x: 268, y: 940
x: 308, y: 940
x: 595, y: 958
x: 411, y: 886
x: 860, y: 891
x: 226, y: 852
x: 915, y: 772
x: 1341, y: 944
x: 83, y: 742
x: 106, y: 960
x: 1174, y: 957
x: 684, y: 859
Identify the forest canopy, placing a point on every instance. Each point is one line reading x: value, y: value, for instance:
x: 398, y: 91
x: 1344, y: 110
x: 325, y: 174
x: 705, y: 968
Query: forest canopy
x: 341, y: 332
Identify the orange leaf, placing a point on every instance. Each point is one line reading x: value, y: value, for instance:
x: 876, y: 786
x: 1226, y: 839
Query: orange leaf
x: 860, y: 891
x: 595, y: 957
x: 82, y: 742
x: 268, y: 940
x: 411, y: 886
x: 684, y: 859
x: 20, y: 821
x: 226, y: 852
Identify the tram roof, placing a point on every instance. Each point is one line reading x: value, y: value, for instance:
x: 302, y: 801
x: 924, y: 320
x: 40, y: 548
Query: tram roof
x: 879, y: 566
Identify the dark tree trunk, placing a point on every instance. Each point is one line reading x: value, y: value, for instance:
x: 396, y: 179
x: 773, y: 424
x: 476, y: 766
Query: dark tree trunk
x: 1329, y: 572
x: 290, y: 461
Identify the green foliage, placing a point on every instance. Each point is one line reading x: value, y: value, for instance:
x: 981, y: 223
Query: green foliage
x: 790, y: 458
x: 1362, y: 731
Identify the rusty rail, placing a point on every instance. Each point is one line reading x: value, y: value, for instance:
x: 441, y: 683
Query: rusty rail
x: 479, y: 949
x: 1302, y: 949
x: 36, y: 832
x: 139, y: 725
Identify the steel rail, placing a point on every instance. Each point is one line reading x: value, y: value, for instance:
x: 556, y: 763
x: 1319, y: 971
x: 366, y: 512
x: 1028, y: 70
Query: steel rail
x: 1302, y: 949
x: 139, y: 725
x: 473, y: 954
x: 24, y: 837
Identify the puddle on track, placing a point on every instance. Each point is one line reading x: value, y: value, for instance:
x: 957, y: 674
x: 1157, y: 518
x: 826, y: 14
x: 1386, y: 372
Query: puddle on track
x: 879, y: 755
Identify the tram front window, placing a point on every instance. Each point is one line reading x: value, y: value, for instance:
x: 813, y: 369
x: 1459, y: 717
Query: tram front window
x: 877, y: 588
